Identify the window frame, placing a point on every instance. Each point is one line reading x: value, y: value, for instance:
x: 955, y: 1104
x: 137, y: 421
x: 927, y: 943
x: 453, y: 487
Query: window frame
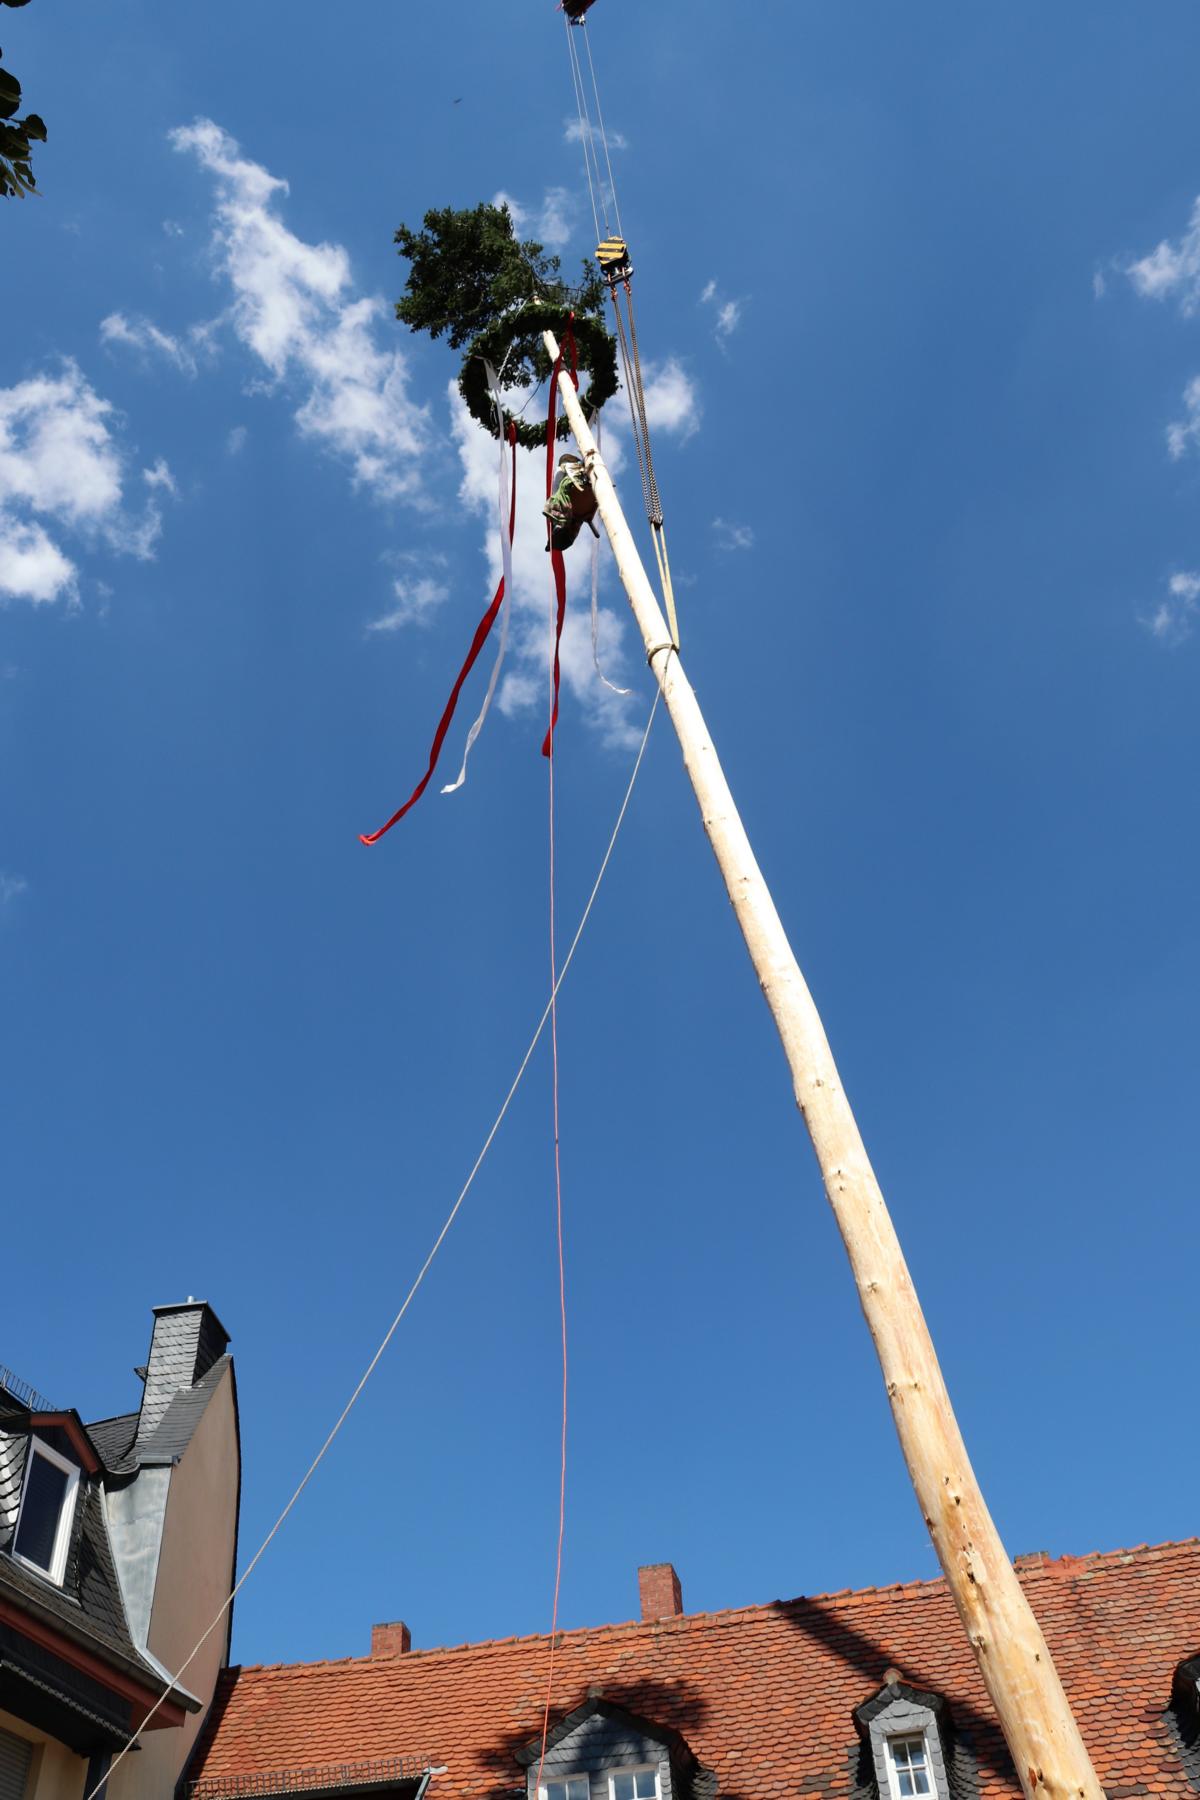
x: 610, y: 1776
x: 66, y: 1512
x: 554, y: 1780
x: 909, y: 1736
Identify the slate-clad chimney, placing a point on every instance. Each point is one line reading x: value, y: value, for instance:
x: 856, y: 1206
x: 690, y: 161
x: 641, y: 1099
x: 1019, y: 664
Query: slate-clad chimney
x: 391, y: 1639
x: 659, y: 1591
x: 188, y: 1339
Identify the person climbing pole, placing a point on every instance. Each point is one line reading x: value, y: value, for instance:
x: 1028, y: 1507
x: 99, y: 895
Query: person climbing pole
x: 571, y: 504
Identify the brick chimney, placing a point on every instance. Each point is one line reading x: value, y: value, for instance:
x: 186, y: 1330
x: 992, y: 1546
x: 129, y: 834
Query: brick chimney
x: 659, y: 1591
x: 188, y: 1339
x: 391, y: 1639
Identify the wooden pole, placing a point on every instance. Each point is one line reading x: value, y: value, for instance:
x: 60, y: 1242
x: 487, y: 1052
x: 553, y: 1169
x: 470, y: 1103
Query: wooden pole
x: 1014, y: 1661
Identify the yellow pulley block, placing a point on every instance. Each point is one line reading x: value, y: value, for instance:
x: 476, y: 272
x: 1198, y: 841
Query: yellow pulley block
x: 613, y: 256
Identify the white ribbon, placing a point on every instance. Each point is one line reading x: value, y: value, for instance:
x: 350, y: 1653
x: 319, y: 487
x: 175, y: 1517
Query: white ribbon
x: 506, y: 564
x: 595, y: 603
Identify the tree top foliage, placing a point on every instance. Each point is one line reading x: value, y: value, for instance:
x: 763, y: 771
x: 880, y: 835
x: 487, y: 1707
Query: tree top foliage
x: 16, y: 135
x: 469, y: 268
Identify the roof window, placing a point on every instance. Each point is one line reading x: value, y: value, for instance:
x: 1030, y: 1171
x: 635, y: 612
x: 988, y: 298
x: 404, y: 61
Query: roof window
x: 572, y: 1787
x: 43, y: 1533
x: 908, y: 1766
x: 910, y: 1749
x: 633, y: 1784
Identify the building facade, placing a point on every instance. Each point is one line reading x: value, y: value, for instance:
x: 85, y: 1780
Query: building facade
x: 117, y: 1547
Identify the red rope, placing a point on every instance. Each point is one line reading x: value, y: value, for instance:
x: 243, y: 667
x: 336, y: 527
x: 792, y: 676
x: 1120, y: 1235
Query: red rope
x: 482, y: 631
x: 558, y: 606
x: 556, y: 560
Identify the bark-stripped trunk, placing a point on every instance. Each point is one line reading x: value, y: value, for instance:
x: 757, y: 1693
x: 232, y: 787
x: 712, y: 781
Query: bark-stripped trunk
x: 1013, y: 1658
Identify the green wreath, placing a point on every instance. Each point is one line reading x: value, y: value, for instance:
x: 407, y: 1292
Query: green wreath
x: 518, y: 338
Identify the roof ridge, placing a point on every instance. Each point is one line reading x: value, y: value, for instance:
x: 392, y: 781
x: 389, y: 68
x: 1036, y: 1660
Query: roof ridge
x: 919, y: 1587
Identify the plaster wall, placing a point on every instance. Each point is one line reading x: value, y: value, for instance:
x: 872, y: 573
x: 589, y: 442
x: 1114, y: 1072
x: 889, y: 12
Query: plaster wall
x: 194, y: 1571
x: 56, y: 1773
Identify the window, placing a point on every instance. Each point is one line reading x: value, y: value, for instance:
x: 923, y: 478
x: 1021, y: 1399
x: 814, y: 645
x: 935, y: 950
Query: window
x: 634, y: 1784
x: 43, y: 1531
x: 15, y: 1757
x: 908, y: 1767
x: 574, y: 1787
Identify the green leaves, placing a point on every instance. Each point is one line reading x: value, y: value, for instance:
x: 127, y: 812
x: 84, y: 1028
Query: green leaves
x: 16, y: 169
x: 468, y: 269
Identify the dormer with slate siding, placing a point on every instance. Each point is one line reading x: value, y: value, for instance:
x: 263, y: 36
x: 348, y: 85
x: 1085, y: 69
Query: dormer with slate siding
x: 599, y: 1751
x: 117, y: 1544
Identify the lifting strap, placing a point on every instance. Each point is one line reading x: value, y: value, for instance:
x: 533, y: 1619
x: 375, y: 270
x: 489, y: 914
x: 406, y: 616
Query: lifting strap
x: 482, y: 631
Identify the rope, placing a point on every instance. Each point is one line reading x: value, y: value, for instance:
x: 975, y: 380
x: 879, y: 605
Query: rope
x: 630, y: 353
x: 603, y: 134
x: 421, y: 1274
x: 585, y: 130
x: 558, y: 1200
x: 632, y: 365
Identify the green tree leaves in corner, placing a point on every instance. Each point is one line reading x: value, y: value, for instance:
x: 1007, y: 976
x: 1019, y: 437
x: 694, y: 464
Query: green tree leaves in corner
x: 16, y: 135
x: 468, y: 268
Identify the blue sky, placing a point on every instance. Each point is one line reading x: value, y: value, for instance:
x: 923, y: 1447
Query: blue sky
x: 921, y: 292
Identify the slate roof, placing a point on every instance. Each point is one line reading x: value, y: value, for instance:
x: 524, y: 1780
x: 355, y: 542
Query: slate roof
x: 88, y: 1607
x: 113, y: 1438
x: 122, y: 1450
x: 168, y: 1440
x: 762, y: 1695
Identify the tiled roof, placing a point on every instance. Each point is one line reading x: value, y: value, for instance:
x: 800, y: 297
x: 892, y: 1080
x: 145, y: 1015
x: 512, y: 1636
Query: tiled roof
x: 763, y: 1695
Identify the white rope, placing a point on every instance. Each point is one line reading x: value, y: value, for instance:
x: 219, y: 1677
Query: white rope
x: 506, y: 604
x: 409, y: 1297
x: 603, y: 134
x: 585, y: 133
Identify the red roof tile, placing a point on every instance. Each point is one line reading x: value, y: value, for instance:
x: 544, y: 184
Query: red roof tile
x: 763, y: 1695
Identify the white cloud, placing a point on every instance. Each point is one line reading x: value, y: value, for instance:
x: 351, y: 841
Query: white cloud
x: 159, y: 475
x: 525, y: 687
x: 294, y: 308
x: 728, y: 312
x: 172, y: 227
x: 235, y: 443
x: 1172, y: 269
x: 1099, y: 285
x: 733, y: 537
x: 1174, y: 617
x: 11, y: 886
x: 416, y: 603
x: 60, y: 462
x: 143, y: 334
x: 1186, y: 431
x: 32, y: 567
x: 672, y: 403
x: 574, y: 132
x: 550, y: 224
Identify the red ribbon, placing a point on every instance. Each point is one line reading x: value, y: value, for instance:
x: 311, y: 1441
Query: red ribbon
x: 477, y: 642
x: 556, y: 558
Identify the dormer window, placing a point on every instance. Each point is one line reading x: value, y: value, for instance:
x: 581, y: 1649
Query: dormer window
x: 910, y: 1748
x: 633, y: 1784
x: 43, y: 1533
x: 574, y: 1787
x: 908, y: 1767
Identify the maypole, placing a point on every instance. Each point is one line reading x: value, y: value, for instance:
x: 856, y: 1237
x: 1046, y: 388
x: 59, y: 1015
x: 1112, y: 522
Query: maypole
x: 1013, y: 1658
